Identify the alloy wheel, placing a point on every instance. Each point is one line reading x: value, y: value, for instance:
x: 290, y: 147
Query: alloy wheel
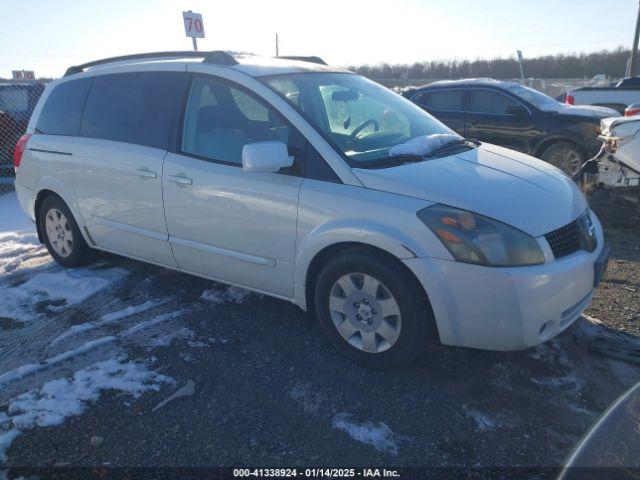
x: 567, y: 160
x: 59, y: 232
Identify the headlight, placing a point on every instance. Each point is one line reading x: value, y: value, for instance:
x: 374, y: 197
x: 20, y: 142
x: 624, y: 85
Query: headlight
x: 472, y: 238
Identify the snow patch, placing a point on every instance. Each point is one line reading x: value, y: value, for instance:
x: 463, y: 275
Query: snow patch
x: 422, y: 145
x: 24, y: 370
x: 19, y: 372
x: 166, y: 339
x: 107, y: 319
x: 228, y: 294
x: 67, y: 397
x: 378, y: 434
x: 62, y: 289
x: 18, y: 238
x: 483, y: 421
x: 569, y: 381
x: 74, y: 330
x: 129, y: 311
x: 150, y: 323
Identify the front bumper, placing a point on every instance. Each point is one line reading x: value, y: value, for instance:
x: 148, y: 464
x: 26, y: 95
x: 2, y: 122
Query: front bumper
x: 508, y: 308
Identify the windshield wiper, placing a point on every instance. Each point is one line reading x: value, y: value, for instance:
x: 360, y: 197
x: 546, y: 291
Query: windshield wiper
x: 454, y: 144
x: 395, y: 161
x: 404, y: 158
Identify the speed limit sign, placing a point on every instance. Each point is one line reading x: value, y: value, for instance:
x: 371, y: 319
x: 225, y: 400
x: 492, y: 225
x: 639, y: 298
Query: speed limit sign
x: 193, y: 26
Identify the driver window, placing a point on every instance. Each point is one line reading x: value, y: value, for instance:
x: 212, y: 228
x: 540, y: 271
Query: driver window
x: 221, y: 119
x: 348, y: 111
x: 486, y: 101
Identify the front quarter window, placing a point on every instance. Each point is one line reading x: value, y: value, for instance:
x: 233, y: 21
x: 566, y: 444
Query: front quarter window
x: 362, y: 119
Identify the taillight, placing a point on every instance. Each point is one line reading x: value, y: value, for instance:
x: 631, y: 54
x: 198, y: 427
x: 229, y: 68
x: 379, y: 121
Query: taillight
x: 570, y: 100
x: 630, y: 112
x: 17, y: 154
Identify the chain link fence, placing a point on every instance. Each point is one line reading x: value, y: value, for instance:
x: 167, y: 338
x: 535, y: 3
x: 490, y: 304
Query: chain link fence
x: 17, y: 101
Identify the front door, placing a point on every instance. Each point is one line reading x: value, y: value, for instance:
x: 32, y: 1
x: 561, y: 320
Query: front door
x: 225, y: 223
x: 499, y: 119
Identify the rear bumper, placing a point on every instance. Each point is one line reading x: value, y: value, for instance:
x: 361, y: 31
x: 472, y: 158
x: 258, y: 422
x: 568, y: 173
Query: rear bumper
x: 507, y: 308
x: 26, y: 199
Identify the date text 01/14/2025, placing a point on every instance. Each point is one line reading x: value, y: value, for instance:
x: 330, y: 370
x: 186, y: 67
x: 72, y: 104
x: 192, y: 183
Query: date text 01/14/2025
x: 315, y: 473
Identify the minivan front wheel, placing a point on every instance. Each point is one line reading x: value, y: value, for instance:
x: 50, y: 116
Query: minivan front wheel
x: 371, y: 311
x: 61, y: 234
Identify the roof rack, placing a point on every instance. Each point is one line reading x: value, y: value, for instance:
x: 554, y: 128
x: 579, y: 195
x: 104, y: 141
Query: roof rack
x: 312, y: 59
x: 216, y: 57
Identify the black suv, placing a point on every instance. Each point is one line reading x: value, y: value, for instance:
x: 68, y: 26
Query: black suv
x: 517, y: 117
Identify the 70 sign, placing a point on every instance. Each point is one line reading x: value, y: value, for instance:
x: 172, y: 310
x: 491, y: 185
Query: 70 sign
x: 193, y: 26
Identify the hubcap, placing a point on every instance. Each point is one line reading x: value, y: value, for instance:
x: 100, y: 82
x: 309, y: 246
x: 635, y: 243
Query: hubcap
x: 59, y: 232
x: 365, y: 312
x: 567, y: 160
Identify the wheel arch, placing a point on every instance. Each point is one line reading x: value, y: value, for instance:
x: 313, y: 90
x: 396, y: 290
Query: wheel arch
x: 325, y: 254
x: 40, y: 198
x: 47, y: 187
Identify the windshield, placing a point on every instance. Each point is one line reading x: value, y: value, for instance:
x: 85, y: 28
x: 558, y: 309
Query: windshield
x: 534, y: 97
x: 361, y: 118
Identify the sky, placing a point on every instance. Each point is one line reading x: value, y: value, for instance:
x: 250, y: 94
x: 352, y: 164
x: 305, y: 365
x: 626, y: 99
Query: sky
x: 48, y: 36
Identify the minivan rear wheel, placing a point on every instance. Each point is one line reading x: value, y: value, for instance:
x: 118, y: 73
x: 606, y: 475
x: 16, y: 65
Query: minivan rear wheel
x: 566, y: 156
x: 372, y: 311
x: 61, y: 234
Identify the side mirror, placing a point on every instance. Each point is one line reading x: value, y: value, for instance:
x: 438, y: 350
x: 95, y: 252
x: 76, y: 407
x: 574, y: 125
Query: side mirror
x: 265, y: 157
x: 516, y: 110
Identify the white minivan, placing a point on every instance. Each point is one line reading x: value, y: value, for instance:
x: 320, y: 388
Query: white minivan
x: 313, y: 185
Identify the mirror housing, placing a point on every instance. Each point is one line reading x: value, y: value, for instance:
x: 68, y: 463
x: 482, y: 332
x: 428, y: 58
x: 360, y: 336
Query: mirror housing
x: 265, y: 157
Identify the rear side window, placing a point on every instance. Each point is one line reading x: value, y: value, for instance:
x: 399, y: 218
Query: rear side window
x: 132, y: 107
x: 486, y: 101
x: 62, y: 110
x: 447, y: 100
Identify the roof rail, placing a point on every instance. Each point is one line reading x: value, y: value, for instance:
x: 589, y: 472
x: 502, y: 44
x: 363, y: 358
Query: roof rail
x: 217, y: 57
x: 312, y: 59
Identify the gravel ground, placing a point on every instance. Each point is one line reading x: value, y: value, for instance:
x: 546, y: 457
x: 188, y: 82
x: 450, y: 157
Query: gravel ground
x: 270, y: 390
x: 617, y: 302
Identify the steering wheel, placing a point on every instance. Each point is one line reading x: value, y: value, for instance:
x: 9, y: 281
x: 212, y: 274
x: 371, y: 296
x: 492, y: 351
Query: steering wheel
x: 362, y: 126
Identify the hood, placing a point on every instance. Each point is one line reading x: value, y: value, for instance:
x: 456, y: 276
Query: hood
x: 587, y: 111
x: 508, y: 186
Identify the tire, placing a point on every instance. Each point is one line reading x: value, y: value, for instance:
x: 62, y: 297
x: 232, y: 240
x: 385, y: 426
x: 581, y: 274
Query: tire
x: 406, y: 335
x: 566, y: 156
x: 61, y: 234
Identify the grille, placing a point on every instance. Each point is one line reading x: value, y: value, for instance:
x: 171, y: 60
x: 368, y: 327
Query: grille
x: 565, y: 240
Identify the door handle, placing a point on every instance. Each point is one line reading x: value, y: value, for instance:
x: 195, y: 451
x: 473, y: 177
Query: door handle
x: 180, y: 179
x: 146, y: 173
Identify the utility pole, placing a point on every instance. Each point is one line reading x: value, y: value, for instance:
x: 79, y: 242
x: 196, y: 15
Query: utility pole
x: 520, y: 60
x: 634, y: 50
x: 278, y: 50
